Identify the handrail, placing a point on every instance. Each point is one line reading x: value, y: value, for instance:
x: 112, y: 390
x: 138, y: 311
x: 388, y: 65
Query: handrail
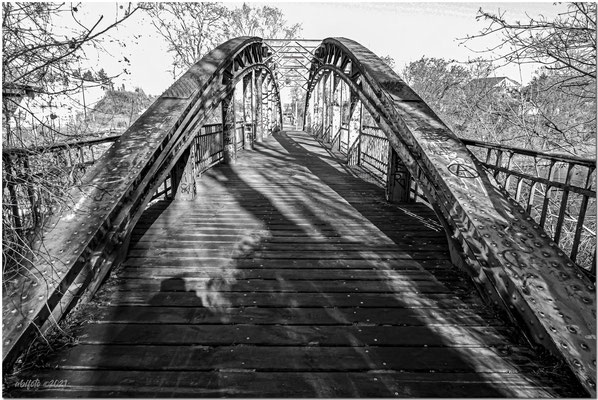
x: 542, y: 196
x: 586, y: 162
x: 60, y: 146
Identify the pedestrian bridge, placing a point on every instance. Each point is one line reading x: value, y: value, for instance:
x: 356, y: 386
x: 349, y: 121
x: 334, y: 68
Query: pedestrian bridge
x: 370, y: 254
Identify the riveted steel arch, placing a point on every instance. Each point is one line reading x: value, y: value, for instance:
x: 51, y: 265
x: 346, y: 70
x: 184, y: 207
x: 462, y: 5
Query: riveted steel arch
x: 90, y: 235
x: 509, y: 256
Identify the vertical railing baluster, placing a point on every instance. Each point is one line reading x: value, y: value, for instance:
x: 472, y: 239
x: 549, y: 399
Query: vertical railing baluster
x: 563, y: 207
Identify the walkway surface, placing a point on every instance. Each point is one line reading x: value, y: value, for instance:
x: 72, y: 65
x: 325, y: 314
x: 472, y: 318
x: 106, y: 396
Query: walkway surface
x: 288, y: 276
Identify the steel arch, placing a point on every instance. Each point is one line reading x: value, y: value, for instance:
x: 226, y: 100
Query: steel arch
x: 508, y: 255
x: 86, y: 238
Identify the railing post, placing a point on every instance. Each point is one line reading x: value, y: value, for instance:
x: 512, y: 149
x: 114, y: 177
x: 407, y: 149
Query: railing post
x: 183, y: 175
x: 265, y: 94
x: 12, y: 193
x: 398, y: 179
x: 248, y: 111
x: 257, y: 116
x: 229, y: 136
x: 270, y: 118
x: 354, y: 132
x: 325, y: 84
x: 360, y: 135
x: 331, y: 106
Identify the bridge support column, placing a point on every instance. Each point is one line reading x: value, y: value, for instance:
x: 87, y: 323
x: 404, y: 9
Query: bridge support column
x: 258, y: 110
x: 183, y: 176
x: 269, y: 115
x: 248, y: 123
x: 324, y: 105
x: 354, y: 153
x: 398, y: 179
x: 265, y: 95
x: 310, y: 114
x: 229, y: 136
x: 315, y: 115
x: 335, y: 112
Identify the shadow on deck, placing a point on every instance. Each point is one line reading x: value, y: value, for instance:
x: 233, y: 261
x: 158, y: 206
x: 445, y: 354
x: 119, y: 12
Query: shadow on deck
x: 290, y: 277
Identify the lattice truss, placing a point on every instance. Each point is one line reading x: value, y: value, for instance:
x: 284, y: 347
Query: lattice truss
x: 292, y: 59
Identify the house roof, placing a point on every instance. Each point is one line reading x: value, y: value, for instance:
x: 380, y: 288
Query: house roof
x: 494, y: 80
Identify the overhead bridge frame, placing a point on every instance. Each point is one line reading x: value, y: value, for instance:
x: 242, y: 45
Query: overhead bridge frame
x: 508, y: 255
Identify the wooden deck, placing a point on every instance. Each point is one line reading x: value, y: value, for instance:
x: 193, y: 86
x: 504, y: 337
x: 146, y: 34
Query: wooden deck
x: 290, y: 277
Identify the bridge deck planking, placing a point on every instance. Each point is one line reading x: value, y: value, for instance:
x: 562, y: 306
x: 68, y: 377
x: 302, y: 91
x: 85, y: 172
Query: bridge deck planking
x: 286, y: 304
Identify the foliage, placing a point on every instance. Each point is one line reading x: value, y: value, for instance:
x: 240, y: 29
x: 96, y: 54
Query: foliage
x: 190, y: 29
x: 193, y: 29
x: 388, y: 60
x: 265, y: 22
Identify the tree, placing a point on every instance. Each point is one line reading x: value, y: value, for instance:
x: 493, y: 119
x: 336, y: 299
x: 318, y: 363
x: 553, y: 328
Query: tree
x: 193, y: 29
x: 190, y: 29
x: 388, y: 60
x: 41, y: 58
x: 436, y: 80
x: 565, y: 48
x: 265, y: 22
x: 565, y: 45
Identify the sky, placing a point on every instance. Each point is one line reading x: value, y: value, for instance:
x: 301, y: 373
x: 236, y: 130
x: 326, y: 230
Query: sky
x: 404, y: 31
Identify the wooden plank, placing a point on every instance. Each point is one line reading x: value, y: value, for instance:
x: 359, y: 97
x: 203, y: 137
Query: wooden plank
x: 294, y: 316
x: 224, y: 284
x: 153, y: 235
x: 217, y: 300
x: 382, y: 265
x: 249, y: 384
x: 282, y: 224
x: 293, y: 255
x: 170, y: 244
x: 304, y: 274
x: 293, y: 358
x: 292, y: 335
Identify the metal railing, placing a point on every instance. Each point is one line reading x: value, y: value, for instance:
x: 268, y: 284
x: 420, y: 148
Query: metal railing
x: 208, y: 147
x: 35, y: 179
x: 558, y: 191
x: 373, y: 148
x: 371, y: 151
x: 343, y: 145
x: 30, y: 175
